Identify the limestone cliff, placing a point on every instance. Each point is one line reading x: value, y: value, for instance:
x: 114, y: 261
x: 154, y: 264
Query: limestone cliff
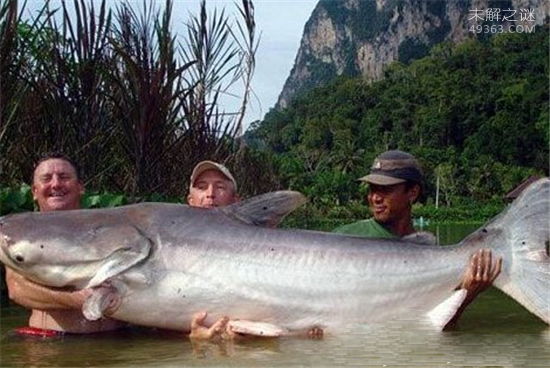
x: 361, y: 37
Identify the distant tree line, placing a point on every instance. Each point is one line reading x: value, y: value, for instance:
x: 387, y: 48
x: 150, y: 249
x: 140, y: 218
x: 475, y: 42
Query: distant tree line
x: 475, y: 114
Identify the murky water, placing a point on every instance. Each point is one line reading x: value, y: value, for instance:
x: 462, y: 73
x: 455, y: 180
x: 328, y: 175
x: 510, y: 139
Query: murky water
x: 494, y: 332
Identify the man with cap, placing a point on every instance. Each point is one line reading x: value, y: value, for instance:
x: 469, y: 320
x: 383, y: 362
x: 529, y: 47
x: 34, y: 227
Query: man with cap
x: 395, y: 182
x: 212, y: 185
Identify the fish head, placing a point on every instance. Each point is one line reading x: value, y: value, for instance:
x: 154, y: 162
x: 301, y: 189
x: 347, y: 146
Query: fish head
x: 79, y: 248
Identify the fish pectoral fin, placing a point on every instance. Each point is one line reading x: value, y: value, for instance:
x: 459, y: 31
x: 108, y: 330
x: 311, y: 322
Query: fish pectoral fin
x: 256, y: 328
x: 266, y: 210
x: 122, y: 259
x: 445, y: 311
x: 137, y: 277
x: 101, y: 300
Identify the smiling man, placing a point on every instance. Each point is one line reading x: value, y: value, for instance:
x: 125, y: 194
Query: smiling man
x: 56, y: 186
x: 395, y: 182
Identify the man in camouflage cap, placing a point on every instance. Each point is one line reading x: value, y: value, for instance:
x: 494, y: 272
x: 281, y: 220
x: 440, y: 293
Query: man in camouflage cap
x: 395, y: 182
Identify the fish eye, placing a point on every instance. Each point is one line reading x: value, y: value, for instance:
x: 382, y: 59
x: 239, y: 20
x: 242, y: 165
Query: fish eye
x: 19, y: 258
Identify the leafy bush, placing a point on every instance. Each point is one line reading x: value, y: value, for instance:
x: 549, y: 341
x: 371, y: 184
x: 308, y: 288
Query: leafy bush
x: 102, y: 200
x: 16, y: 200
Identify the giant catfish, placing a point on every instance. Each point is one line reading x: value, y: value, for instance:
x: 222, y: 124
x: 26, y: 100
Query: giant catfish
x: 168, y: 261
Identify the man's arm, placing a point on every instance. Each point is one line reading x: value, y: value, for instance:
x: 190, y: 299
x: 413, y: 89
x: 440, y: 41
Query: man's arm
x: 34, y: 296
x: 479, y: 275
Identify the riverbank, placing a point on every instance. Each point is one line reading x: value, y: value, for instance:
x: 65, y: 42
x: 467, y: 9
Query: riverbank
x: 326, y: 219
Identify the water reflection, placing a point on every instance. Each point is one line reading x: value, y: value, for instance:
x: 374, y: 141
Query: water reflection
x: 392, y: 344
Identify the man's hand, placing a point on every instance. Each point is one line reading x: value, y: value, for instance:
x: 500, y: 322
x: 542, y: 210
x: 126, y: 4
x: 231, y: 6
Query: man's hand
x: 77, y: 298
x: 480, y: 274
x: 218, y: 331
x: 315, y: 333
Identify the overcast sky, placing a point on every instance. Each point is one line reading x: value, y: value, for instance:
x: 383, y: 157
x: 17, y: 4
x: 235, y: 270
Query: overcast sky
x: 280, y: 24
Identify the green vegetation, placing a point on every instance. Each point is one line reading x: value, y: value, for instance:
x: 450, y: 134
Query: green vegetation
x: 16, y: 200
x: 327, y: 219
x: 411, y: 49
x: 130, y: 111
x: 475, y: 114
x: 19, y: 199
x: 114, y: 89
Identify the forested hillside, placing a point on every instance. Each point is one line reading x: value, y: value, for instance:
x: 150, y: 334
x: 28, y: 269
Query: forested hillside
x: 475, y: 114
x: 362, y: 37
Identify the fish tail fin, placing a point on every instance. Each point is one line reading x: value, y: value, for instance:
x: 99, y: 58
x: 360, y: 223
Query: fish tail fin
x: 522, y: 234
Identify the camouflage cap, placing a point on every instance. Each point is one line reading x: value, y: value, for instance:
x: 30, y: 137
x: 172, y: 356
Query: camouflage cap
x: 394, y: 167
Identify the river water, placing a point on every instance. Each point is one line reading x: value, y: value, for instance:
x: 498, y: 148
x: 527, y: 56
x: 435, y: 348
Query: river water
x: 494, y: 332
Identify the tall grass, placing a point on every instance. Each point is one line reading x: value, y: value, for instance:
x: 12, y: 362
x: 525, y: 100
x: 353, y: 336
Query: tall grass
x: 114, y: 88
x: 15, y: 44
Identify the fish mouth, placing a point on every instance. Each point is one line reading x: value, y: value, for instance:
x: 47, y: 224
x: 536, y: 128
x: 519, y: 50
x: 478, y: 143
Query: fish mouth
x: 65, y: 265
x: 11, y: 260
x: 81, y: 276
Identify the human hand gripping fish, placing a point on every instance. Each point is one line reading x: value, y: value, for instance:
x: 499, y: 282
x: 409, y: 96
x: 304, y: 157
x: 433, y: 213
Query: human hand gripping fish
x: 478, y: 277
x: 220, y: 330
x: 227, y: 329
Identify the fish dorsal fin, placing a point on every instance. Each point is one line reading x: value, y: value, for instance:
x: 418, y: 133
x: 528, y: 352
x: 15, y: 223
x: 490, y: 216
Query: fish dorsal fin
x: 266, y: 210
